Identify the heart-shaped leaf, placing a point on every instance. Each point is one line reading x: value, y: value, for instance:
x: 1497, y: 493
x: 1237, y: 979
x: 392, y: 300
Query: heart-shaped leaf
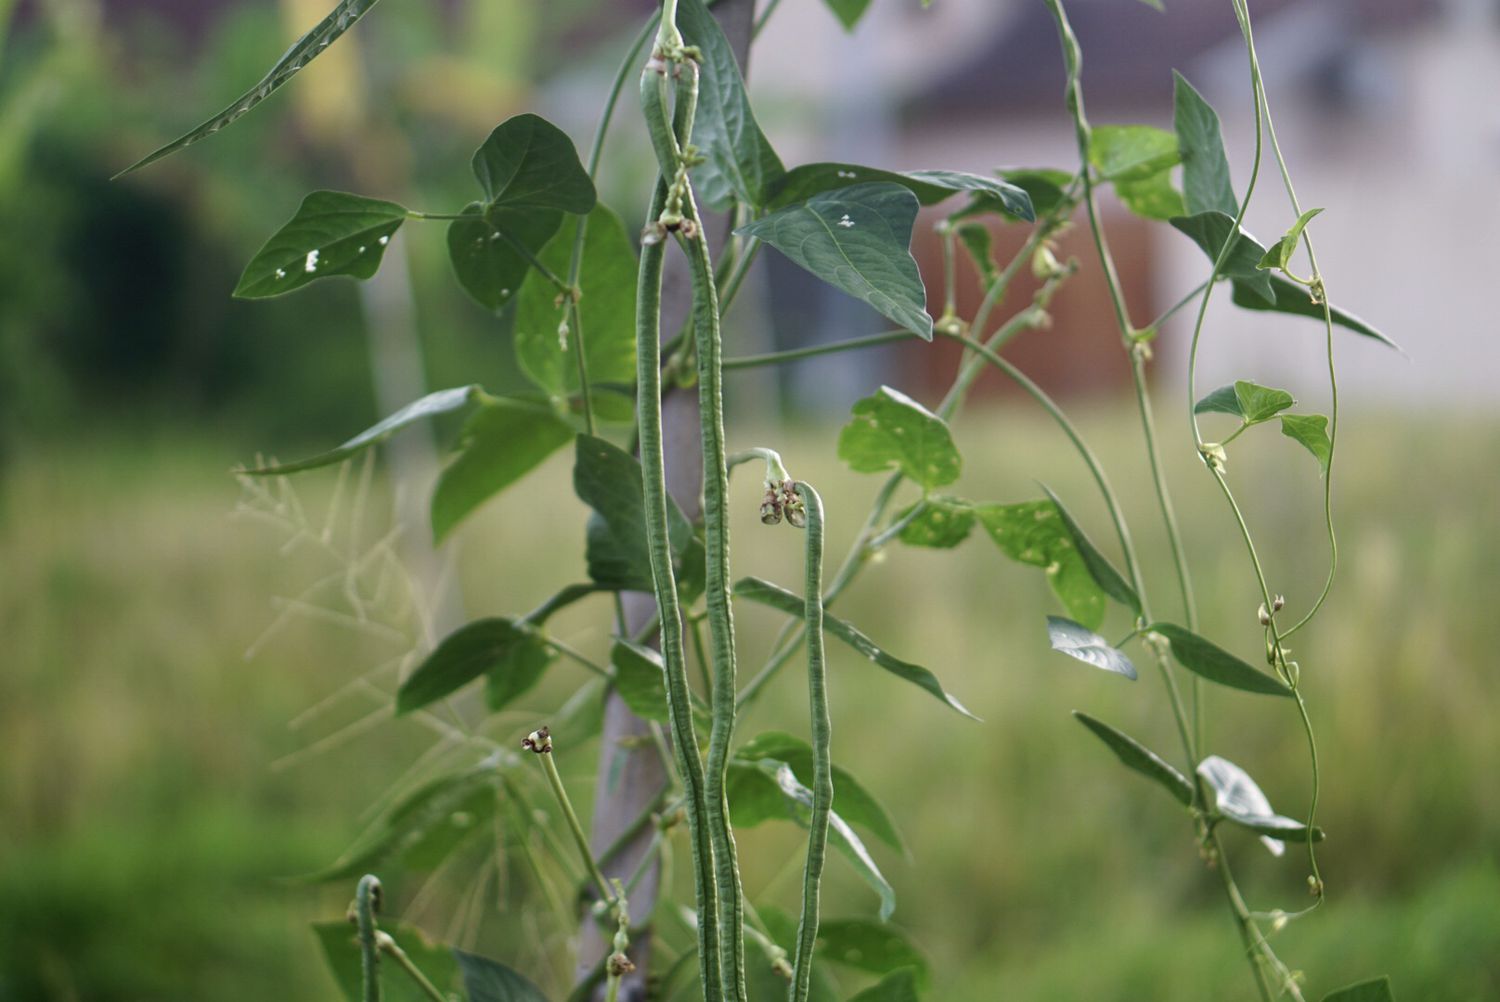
x: 483, y: 250
x: 941, y: 524
x: 1206, y: 183
x: 889, y: 430
x: 640, y: 681
x: 608, y: 480
x: 529, y: 163
x: 1132, y: 152
x: 1033, y: 533
x: 509, y: 651
x: 333, y: 233
x: 1100, y: 569
x: 1152, y: 197
x: 1210, y: 231
x: 856, y: 239
x: 1251, y: 402
x: 1216, y: 664
x: 1140, y: 758
x: 1077, y: 641
x: 1312, y: 431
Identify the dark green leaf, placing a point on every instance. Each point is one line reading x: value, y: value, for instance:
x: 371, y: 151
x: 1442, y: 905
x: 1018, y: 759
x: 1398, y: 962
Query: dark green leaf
x: 1132, y: 152
x: 1152, y: 197
x: 874, y: 947
x: 606, y: 309
x: 1290, y: 298
x: 1280, y: 254
x: 1374, y: 990
x: 303, y: 51
x: 608, y: 480
x: 510, y: 652
x: 1210, y: 231
x: 487, y: 264
x: 848, y: 11
x: 975, y: 238
x: 1077, y: 641
x: 987, y: 194
x: 942, y: 523
x: 1216, y: 664
x: 1312, y: 431
x: 502, y: 441
x: 890, y: 430
x: 1205, y: 169
x: 1260, y: 403
x: 488, y: 980
x: 1140, y: 758
x: 440, y: 402
x: 340, y: 942
x: 1033, y: 533
x: 740, y: 161
x: 333, y: 233
x: 780, y: 599
x: 1224, y: 400
x: 898, y: 987
x: 1099, y: 567
x: 529, y: 163
x: 856, y: 804
x: 1045, y: 186
x: 1240, y: 800
x: 856, y: 239
x: 640, y: 681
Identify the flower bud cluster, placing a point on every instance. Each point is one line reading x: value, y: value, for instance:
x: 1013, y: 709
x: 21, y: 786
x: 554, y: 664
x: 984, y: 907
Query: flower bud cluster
x: 782, y: 500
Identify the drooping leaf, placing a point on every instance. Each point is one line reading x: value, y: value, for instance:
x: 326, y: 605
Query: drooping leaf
x: 856, y: 805
x: 1280, y: 253
x: 1210, y: 231
x: 608, y: 480
x: 1140, y: 758
x: 1290, y: 298
x: 501, y: 442
x: 640, y: 681
x: 1152, y: 197
x: 509, y: 651
x: 1132, y: 152
x: 739, y: 160
x: 303, y: 51
x: 856, y: 239
x: 488, y: 980
x: 889, y: 430
x: 1100, y: 569
x: 1240, y: 800
x: 1373, y: 990
x: 1205, y: 169
x: 1033, y: 533
x: 930, y: 186
x: 340, y: 942
x: 766, y: 593
x: 1312, y: 431
x: 1045, y: 186
x: 900, y: 986
x: 1214, y: 663
x: 424, y: 827
x: 1077, y: 641
x: 975, y: 238
x: 529, y: 163
x: 333, y: 233
x: 441, y: 402
x: 874, y: 947
x: 848, y: 11
x: 942, y: 524
x: 485, y: 259
x: 606, y: 309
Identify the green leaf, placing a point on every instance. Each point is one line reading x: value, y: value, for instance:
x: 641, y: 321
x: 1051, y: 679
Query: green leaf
x: 740, y: 161
x: 488, y: 980
x: 1140, y: 758
x: 441, y: 402
x: 333, y: 233
x: 874, y: 947
x: 1312, y: 431
x: 976, y: 239
x: 509, y: 651
x: 1152, y: 197
x: 1210, y: 230
x: 501, y: 442
x: 529, y: 163
x: 942, y: 523
x: 1374, y: 990
x: 1240, y: 800
x: 488, y: 266
x: 1045, y: 186
x: 1224, y: 400
x: 856, y: 239
x: 1099, y: 567
x: 1260, y: 403
x: 890, y: 430
x: 424, y: 827
x: 1033, y: 533
x: 1280, y: 254
x: 900, y: 986
x: 303, y: 51
x: 848, y: 11
x: 1293, y: 299
x: 608, y: 480
x: 640, y: 681
x: 987, y: 194
x: 1214, y: 663
x: 1132, y: 152
x: 340, y: 942
x: 856, y: 804
x: 766, y: 593
x: 1077, y: 641
x: 606, y: 309
x: 1205, y: 169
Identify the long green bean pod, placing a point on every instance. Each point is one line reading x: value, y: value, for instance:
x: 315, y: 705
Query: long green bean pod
x: 822, y: 729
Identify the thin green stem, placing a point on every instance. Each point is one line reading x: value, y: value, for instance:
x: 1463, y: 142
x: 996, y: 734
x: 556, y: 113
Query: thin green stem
x: 391, y: 947
x: 575, y: 827
x: 813, y: 351
x: 366, y: 904
x: 1172, y: 310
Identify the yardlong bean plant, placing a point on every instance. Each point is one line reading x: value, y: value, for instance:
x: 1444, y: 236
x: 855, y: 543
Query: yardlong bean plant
x: 586, y: 301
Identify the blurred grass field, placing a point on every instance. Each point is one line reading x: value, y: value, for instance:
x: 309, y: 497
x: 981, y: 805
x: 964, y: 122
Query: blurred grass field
x: 143, y: 829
